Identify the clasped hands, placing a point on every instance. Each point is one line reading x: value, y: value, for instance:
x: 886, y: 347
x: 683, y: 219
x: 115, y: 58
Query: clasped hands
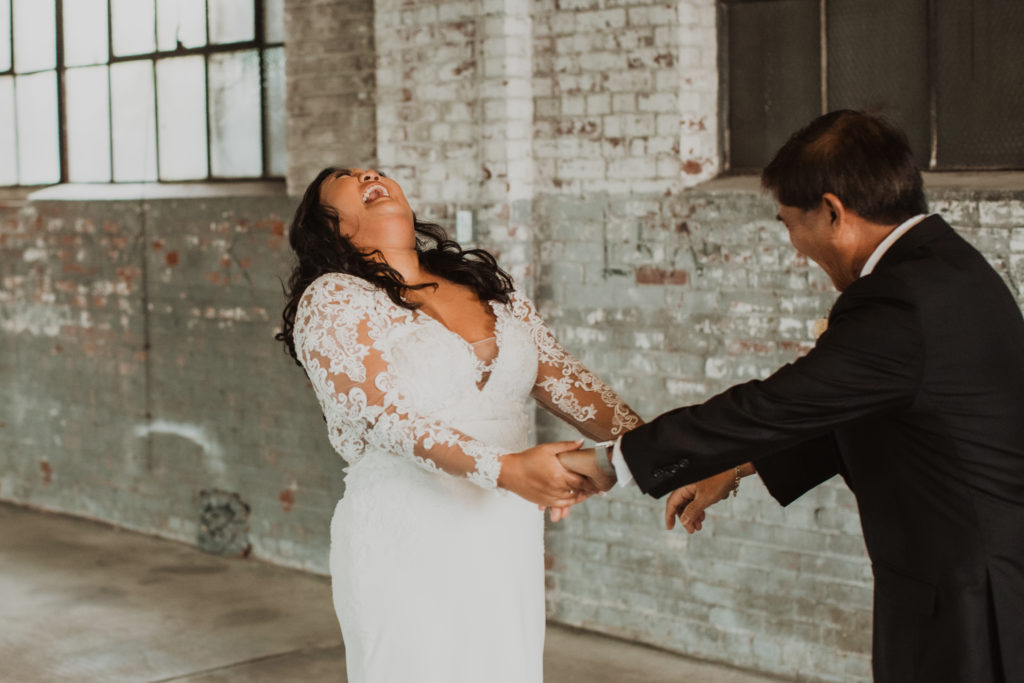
x: 538, y: 476
x: 560, y: 475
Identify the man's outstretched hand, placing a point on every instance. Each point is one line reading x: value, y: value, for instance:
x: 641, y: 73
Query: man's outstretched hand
x: 584, y: 463
x: 690, y: 502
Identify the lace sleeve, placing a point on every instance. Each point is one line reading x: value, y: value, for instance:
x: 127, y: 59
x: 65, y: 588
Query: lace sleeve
x: 339, y: 329
x: 567, y: 389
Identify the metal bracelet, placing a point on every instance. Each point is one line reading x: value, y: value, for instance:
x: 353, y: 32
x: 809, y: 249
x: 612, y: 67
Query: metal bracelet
x: 736, y: 483
x: 602, y: 453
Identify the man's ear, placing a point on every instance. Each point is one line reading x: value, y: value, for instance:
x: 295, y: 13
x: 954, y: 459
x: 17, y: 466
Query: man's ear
x: 834, y: 206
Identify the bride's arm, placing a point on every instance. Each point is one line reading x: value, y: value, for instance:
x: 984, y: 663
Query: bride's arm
x: 565, y: 388
x: 338, y: 337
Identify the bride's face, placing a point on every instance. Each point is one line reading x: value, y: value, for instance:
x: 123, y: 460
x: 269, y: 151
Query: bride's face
x: 372, y: 209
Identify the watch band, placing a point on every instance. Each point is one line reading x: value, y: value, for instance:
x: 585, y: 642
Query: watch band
x: 602, y: 453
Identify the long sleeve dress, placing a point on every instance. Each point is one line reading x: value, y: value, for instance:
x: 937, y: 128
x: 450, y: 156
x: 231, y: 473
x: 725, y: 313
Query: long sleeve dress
x: 437, y: 575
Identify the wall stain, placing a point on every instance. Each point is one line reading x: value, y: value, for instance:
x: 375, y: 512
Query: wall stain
x: 223, y: 524
x: 692, y: 167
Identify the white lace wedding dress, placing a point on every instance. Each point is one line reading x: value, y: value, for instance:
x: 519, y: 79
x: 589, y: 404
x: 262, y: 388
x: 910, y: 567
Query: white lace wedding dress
x: 437, y: 575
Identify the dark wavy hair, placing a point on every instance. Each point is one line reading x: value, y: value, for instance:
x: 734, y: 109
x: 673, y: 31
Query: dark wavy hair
x: 862, y: 159
x: 320, y: 248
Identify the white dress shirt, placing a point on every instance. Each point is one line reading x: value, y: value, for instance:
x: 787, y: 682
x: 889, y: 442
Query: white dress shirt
x: 625, y: 477
x: 889, y: 240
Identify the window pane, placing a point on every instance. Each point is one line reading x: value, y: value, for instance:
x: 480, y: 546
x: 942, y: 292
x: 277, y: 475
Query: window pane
x: 774, y: 52
x: 38, y: 155
x: 8, y: 141
x: 181, y: 118
x: 980, y: 84
x: 181, y: 21
x: 890, y: 78
x: 236, y: 148
x: 273, y: 13
x: 35, y: 24
x: 277, y: 155
x: 232, y: 21
x: 134, y: 121
x: 88, y: 127
x: 134, y: 25
x: 85, y: 32
x: 5, y: 35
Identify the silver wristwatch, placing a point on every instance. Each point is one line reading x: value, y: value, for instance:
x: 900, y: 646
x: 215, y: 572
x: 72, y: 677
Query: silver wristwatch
x: 603, y: 455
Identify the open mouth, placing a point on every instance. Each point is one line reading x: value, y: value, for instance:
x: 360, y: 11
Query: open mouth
x: 374, y: 192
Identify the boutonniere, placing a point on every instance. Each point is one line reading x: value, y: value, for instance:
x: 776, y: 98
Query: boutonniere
x: 819, y: 327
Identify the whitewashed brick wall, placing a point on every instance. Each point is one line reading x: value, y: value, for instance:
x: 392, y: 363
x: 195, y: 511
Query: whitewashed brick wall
x: 331, y: 99
x: 626, y: 95
x: 575, y: 131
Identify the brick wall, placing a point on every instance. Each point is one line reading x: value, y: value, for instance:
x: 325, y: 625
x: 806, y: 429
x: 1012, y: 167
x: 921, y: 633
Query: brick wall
x: 671, y: 294
x: 625, y: 95
x: 141, y: 369
x: 137, y: 334
x: 331, y: 87
x: 691, y: 294
x: 138, y: 353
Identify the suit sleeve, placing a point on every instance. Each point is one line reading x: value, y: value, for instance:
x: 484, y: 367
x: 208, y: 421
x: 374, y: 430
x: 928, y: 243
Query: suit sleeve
x: 870, y: 360
x: 793, y: 472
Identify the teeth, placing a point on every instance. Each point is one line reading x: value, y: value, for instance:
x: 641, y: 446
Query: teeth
x: 383, y: 192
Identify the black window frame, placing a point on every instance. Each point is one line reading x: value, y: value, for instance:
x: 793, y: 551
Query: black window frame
x: 933, y: 85
x: 259, y: 43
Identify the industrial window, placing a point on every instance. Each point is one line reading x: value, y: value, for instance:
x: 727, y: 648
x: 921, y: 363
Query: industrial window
x: 99, y: 91
x: 947, y: 72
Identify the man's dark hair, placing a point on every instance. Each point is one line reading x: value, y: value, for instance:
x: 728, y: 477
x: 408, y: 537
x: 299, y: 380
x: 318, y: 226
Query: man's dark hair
x: 862, y: 159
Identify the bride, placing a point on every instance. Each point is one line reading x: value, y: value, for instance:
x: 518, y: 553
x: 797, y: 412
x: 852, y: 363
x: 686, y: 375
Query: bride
x: 423, y: 358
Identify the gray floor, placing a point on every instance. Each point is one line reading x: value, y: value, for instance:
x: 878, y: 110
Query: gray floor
x: 81, y: 601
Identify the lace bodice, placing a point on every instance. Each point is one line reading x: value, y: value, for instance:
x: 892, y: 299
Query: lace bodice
x: 393, y: 382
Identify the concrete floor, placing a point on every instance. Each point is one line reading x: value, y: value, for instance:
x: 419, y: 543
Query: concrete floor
x: 82, y: 601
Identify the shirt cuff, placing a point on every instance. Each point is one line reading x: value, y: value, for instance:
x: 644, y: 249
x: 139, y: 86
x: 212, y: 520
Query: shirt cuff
x: 625, y: 477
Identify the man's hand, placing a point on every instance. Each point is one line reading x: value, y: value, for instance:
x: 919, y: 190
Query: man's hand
x: 683, y: 500
x: 585, y: 463
x: 536, y: 475
x: 690, y: 502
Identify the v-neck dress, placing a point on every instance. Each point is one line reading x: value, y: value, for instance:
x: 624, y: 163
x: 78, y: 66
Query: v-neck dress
x: 437, y: 575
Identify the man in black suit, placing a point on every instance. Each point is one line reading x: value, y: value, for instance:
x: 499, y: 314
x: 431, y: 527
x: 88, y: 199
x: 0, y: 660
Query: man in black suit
x: 914, y: 394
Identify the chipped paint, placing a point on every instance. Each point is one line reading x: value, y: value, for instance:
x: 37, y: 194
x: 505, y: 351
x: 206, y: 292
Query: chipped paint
x: 43, y: 319
x: 212, y: 451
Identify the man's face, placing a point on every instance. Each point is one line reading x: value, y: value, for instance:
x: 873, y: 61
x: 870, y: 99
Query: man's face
x: 813, y: 234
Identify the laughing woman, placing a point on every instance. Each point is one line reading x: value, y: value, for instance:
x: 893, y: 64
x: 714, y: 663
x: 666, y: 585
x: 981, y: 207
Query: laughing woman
x: 424, y: 359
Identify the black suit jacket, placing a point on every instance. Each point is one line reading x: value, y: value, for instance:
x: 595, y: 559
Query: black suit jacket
x: 915, y: 394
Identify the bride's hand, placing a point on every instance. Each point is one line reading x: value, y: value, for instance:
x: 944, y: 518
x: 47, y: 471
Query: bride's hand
x: 536, y: 475
x: 557, y: 514
x: 585, y: 463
